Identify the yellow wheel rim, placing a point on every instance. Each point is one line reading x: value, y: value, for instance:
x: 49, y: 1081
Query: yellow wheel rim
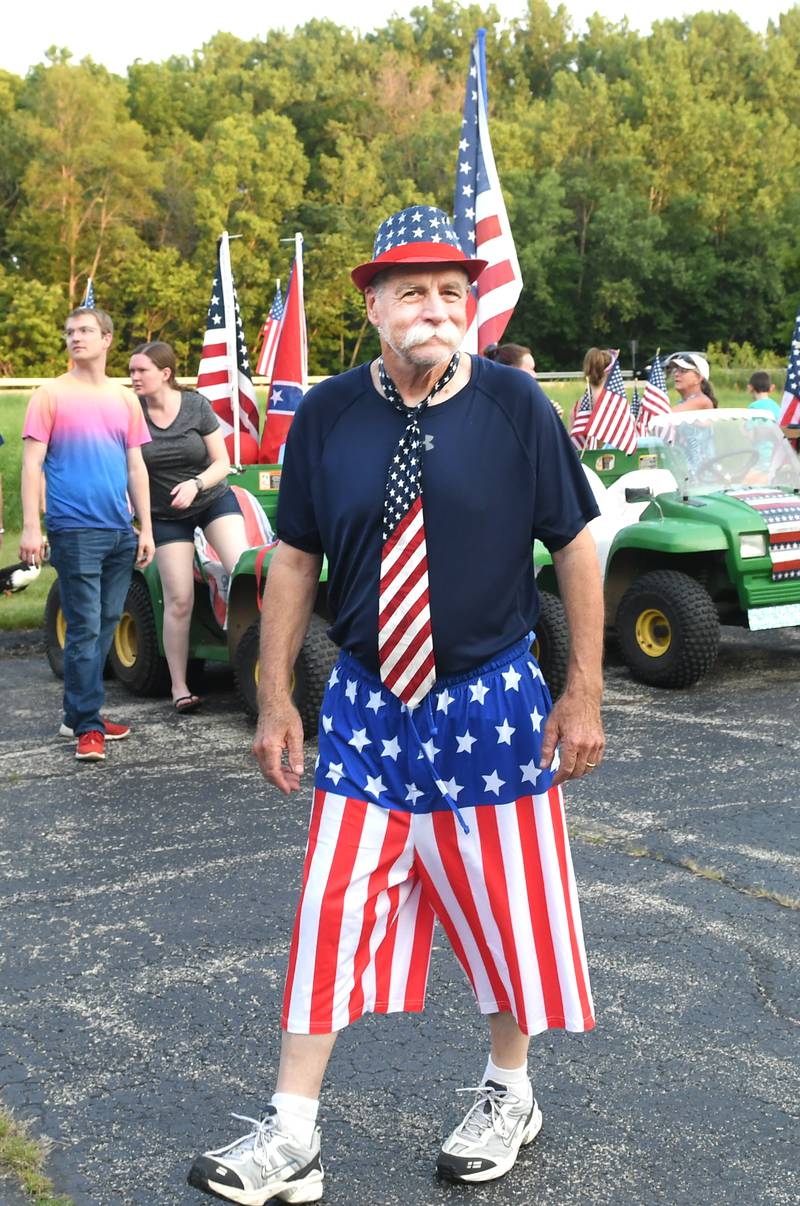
x: 653, y: 632
x: 61, y: 628
x: 257, y: 671
x: 125, y: 642
x: 535, y: 648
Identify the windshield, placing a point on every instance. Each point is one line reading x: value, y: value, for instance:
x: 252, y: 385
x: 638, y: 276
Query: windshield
x: 710, y: 451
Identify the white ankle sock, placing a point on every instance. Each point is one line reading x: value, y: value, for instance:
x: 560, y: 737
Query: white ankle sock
x: 297, y: 1115
x: 515, y: 1078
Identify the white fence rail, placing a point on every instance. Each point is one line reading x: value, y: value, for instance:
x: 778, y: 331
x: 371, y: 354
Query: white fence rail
x: 9, y: 384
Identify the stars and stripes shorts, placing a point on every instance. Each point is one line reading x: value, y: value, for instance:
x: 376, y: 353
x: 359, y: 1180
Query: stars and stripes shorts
x: 437, y: 814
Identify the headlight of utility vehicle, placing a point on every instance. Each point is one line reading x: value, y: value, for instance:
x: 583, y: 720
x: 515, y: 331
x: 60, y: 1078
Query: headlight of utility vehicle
x: 753, y: 544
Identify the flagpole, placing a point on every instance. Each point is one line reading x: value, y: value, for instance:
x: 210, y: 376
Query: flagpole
x: 298, y: 260
x: 226, y: 284
x: 589, y: 392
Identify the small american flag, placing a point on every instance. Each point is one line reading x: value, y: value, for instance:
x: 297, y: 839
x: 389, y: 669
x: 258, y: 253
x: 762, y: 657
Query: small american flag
x: 655, y: 400
x: 479, y: 215
x: 269, y: 335
x: 790, y: 403
x: 581, y: 418
x: 88, y: 297
x: 612, y: 422
x: 224, y: 371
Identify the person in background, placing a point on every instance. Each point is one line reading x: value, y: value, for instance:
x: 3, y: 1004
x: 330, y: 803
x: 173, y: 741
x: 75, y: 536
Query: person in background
x: 691, y: 372
x: 188, y: 465
x: 518, y: 356
x: 86, y: 433
x: 760, y: 387
x: 596, y: 364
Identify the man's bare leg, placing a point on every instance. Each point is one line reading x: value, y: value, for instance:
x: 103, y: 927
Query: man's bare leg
x: 304, y: 1058
x: 509, y: 1044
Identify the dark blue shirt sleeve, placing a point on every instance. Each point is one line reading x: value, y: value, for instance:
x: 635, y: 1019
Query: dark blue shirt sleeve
x: 564, y: 502
x: 296, y: 522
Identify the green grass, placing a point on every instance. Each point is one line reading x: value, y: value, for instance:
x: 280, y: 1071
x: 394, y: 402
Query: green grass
x: 26, y: 608
x: 23, y: 1159
x: 12, y: 413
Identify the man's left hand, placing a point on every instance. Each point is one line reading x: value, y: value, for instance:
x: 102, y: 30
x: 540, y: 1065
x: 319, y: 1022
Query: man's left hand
x: 574, y: 725
x: 146, y: 550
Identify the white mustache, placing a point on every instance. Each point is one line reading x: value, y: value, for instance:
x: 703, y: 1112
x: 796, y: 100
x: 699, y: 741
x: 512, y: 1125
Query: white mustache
x: 421, y: 332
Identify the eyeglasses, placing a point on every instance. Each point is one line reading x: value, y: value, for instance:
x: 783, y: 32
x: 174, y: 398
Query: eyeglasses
x: 81, y: 331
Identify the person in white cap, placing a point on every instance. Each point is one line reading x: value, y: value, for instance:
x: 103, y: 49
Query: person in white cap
x: 691, y: 373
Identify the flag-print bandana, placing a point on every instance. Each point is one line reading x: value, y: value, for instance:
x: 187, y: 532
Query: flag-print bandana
x: 475, y: 740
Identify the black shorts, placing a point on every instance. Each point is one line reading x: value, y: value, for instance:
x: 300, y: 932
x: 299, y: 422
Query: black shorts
x: 168, y: 531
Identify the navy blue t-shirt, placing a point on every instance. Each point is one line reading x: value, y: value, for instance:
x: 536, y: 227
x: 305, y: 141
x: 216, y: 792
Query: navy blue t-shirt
x: 499, y: 470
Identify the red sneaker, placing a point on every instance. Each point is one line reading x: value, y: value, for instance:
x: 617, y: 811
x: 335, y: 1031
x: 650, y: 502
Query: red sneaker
x: 114, y: 732
x: 91, y: 747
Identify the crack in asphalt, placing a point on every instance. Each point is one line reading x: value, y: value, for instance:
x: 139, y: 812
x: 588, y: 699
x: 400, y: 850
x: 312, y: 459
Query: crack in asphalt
x: 601, y: 837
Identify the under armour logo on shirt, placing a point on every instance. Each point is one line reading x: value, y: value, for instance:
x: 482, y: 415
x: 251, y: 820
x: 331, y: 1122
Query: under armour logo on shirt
x: 428, y: 443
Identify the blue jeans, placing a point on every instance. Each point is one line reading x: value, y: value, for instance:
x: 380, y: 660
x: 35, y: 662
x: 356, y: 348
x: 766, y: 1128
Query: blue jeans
x: 94, y: 572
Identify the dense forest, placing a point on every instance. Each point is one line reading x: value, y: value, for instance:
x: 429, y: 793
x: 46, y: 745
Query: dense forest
x: 651, y: 181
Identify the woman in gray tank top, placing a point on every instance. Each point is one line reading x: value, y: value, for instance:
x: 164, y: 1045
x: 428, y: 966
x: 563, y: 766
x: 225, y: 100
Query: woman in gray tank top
x: 188, y: 465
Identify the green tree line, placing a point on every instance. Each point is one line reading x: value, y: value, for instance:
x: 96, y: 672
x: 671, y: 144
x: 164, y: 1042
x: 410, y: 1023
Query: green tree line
x: 650, y: 180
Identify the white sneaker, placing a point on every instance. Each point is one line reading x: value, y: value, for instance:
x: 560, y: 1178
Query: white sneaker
x: 263, y: 1164
x: 486, y: 1142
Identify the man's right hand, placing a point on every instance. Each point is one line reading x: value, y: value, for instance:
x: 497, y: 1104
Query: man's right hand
x: 31, y: 546
x: 280, y: 728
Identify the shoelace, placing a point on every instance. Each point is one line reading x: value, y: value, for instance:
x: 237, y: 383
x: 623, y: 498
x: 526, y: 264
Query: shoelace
x: 477, y: 1118
x: 260, y: 1134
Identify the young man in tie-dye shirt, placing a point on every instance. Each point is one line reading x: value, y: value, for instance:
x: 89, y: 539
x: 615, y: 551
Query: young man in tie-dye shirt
x: 84, y: 433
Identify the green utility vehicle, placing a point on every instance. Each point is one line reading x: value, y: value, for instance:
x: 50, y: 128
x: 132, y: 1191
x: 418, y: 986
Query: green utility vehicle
x: 137, y: 653
x: 699, y: 527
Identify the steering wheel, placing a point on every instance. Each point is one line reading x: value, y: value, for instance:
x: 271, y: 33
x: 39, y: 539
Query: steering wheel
x: 711, y: 468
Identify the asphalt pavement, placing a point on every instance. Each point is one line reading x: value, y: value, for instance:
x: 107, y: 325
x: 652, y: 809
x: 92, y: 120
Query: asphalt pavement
x: 145, y: 914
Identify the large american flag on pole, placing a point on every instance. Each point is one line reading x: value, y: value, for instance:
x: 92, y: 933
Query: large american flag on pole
x: 790, y: 403
x: 224, y: 371
x: 611, y: 420
x: 479, y: 215
x: 269, y: 335
x: 290, y: 371
x: 655, y: 400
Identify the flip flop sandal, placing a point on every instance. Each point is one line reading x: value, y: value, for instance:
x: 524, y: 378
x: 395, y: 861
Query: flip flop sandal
x: 187, y: 703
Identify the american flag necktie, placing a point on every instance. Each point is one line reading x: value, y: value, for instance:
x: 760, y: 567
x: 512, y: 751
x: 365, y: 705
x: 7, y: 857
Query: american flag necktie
x: 405, y: 638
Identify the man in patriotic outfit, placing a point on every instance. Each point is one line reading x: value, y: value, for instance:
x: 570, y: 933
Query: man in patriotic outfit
x: 424, y: 478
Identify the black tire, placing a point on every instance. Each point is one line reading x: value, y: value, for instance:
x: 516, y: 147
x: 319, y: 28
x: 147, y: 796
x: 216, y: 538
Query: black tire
x: 551, y: 643
x: 311, y: 671
x: 135, y: 657
x: 54, y: 630
x: 246, y: 669
x: 668, y: 629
